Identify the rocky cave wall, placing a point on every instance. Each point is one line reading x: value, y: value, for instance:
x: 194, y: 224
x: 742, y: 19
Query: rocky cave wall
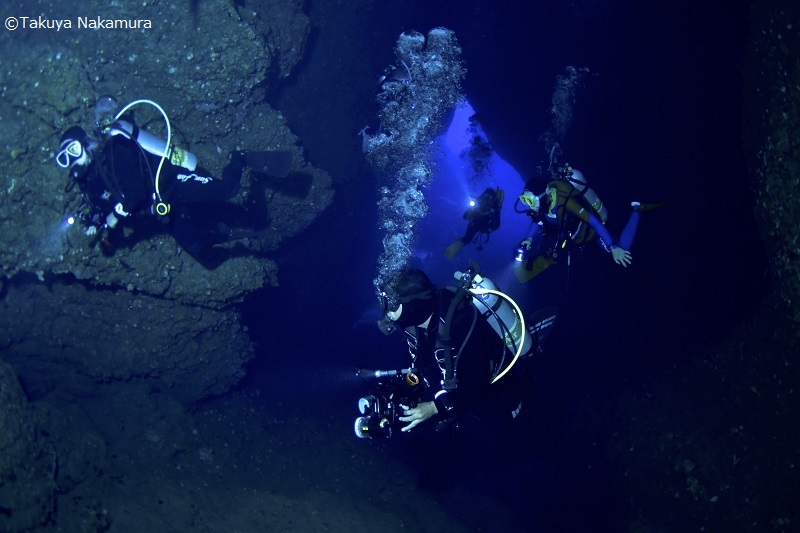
x: 75, y: 322
x: 772, y: 122
x: 150, y: 310
x: 729, y: 460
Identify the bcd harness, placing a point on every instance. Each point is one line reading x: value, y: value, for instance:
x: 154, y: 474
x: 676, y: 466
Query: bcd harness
x: 448, y: 361
x: 106, y: 169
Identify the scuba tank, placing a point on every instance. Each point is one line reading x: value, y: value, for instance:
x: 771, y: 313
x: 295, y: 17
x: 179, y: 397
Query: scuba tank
x: 149, y: 143
x: 156, y: 146
x: 505, y: 321
x: 576, y: 178
x: 107, y: 121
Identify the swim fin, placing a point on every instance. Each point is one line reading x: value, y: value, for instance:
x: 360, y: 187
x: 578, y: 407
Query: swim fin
x: 500, y: 195
x: 451, y: 251
x: 277, y: 164
x: 639, y: 206
x: 232, y: 234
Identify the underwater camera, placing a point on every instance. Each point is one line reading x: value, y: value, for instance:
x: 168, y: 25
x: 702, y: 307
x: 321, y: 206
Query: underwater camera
x: 383, y: 408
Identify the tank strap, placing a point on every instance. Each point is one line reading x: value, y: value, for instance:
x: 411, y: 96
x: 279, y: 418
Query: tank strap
x: 104, y: 167
x: 450, y: 381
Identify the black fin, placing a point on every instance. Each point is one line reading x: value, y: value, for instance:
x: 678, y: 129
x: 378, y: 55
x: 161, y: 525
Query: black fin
x: 277, y: 164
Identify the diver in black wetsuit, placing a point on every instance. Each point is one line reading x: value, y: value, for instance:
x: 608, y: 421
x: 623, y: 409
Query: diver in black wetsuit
x: 458, y: 360
x: 121, y: 177
x: 483, y: 217
x: 455, y: 351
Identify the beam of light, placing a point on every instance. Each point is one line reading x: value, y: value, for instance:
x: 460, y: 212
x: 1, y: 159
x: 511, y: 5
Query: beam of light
x: 465, y: 167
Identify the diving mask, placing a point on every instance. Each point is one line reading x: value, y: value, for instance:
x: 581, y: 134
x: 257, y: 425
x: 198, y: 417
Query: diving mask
x: 71, y: 153
x: 530, y: 200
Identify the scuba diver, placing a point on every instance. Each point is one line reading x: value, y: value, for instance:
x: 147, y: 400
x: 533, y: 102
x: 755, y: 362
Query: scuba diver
x: 125, y: 172
x: 461, y: 343
x: 483, y: 217
x: 464, y: 342
x: 569, y: 213
x: 470, y: 348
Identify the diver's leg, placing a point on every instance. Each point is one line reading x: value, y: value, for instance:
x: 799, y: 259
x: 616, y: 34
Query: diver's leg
x: 203, y: 187
x: 200, y: 186
x: 451, y: 251
x: 456, y: 247
x: 191, y: 237
x: 469, y: 234
x: 629, y: 233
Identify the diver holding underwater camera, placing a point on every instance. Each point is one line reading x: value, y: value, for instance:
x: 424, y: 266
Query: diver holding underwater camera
x: 464, y: 342
x: 124, y: 172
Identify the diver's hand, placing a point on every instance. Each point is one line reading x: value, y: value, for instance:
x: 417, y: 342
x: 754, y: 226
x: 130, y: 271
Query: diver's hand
x: 621, y: 257
x: 91, y: 230
x: 419, y: 414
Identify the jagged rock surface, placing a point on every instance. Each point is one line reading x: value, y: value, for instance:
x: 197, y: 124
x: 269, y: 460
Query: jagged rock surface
x: 150, y: 310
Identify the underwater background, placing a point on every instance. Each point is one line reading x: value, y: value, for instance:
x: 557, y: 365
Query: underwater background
x: 664, y: 400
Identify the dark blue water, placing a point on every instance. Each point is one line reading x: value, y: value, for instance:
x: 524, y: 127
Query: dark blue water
x: 657, y: 119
